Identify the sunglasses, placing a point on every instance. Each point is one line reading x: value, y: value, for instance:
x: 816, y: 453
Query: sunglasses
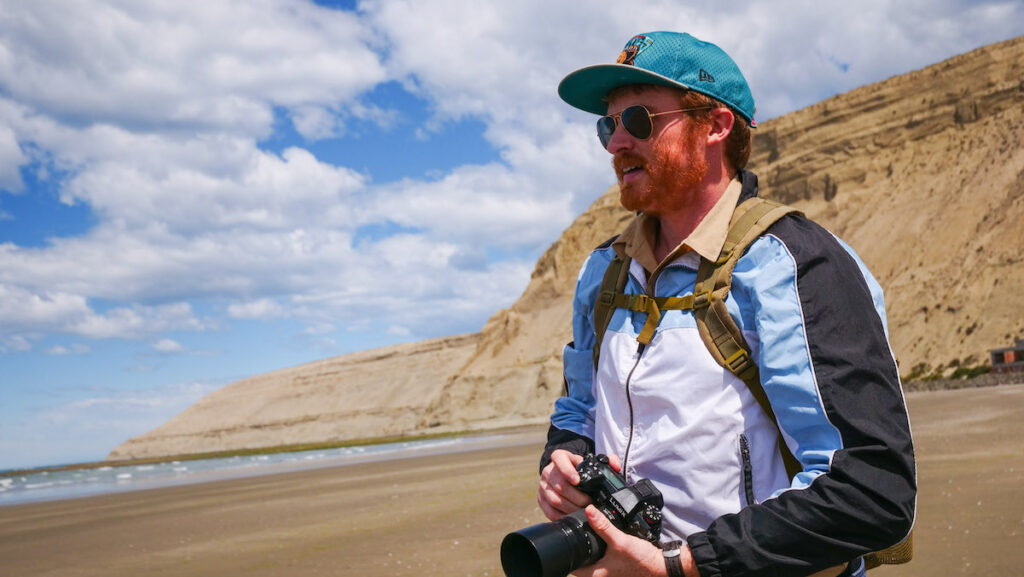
x: 635, y: 119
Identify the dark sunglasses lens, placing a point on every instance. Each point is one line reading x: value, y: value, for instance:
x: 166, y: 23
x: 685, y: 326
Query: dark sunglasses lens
x: 605, y: 129
x: 637, y: 121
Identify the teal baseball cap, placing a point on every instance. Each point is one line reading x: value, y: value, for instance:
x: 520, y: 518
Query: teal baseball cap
x: 672, y: 59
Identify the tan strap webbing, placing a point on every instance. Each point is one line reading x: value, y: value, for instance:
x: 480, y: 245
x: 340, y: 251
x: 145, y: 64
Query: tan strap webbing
x: 615, y: 277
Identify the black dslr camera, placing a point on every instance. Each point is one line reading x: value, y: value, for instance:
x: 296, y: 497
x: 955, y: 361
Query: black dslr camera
x: 555, y: 549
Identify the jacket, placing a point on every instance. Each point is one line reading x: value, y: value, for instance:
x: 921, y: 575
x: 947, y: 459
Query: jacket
x: 815, y: 320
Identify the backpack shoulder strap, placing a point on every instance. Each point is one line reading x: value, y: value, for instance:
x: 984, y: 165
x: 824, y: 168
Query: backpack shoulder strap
x: 725, y: 340
x: 717, y: 328
x: 614, y: 281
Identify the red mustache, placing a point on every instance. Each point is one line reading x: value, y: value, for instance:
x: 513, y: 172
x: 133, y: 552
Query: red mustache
x: 623, y: 161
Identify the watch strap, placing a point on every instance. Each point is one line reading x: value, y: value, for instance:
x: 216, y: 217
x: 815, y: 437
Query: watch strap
x: 672, y: 553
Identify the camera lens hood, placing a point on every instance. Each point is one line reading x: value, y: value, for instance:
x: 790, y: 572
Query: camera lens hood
x: 551, y: 549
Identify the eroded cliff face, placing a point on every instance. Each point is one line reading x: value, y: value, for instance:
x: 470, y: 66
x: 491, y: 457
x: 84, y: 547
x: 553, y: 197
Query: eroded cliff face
x: 922, y: 174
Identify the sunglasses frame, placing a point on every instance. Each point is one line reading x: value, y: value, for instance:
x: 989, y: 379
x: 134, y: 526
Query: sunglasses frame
x: 638, y: 132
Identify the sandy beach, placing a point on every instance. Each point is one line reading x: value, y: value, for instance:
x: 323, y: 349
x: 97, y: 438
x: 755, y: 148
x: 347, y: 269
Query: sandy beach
x: 446, y: 515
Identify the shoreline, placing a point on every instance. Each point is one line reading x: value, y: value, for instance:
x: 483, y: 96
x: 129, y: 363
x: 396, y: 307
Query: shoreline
x: 106, y: 479
x: 272, y: 450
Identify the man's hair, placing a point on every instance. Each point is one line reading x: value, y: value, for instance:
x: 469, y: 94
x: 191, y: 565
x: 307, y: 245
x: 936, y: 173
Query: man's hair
x: 738, y: 143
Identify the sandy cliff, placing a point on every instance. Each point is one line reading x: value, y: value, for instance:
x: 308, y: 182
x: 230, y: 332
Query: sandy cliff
x: 923, y: 174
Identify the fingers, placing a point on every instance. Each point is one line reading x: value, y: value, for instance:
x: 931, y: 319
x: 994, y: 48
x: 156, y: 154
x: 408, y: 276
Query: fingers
x: 603, y: 527
x: 557, y: 495
x: 625, y: 555
x: 566, y: 462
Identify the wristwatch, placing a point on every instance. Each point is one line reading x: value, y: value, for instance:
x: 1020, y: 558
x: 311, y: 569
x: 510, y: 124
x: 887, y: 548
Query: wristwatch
x: 672, y: 552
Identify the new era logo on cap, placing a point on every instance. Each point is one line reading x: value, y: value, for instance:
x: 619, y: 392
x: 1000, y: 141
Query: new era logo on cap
x: 706, y: 76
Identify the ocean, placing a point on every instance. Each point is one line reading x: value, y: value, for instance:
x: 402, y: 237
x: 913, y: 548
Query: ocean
x: 70, y: 484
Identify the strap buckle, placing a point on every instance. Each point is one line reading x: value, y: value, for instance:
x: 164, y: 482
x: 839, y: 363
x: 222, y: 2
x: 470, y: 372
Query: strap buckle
x: 738, y: 362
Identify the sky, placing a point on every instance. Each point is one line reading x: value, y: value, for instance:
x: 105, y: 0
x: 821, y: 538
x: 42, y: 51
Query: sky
x: 195, y: 192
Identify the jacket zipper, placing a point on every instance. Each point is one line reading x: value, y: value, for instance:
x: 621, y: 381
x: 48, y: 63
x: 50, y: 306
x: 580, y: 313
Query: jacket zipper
x: 629, y: 403
x: 652, y: 283
x: 748, y: 470
x: 629, y: 378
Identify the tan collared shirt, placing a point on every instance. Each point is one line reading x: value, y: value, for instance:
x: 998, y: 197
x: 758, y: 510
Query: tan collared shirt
x: 638, y: 240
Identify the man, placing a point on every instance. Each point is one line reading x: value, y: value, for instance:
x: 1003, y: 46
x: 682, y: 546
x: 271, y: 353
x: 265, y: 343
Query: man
x: 678, y: 118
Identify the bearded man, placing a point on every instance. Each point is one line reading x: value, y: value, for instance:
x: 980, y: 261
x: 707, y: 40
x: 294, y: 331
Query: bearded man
x: 676, y: 118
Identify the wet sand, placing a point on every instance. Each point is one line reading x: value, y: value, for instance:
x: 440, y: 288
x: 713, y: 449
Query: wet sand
x: 446, y: 515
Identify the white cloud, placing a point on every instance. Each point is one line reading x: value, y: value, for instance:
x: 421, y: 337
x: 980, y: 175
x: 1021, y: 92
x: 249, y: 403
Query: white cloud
x: 155, y: 65
x: 14, y: 343
x: 136, y: 321
x: 73, y: 349
x: 316, y: 122
x: 11, y: 159
x: 25, y: 315
x: 168, y: 346
x: 258, y: 309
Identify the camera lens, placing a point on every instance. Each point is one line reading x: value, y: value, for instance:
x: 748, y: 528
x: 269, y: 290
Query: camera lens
x: 551, y: 549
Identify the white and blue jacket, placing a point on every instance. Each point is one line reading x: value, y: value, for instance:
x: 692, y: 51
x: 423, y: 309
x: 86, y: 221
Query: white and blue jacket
x: 815, y: 320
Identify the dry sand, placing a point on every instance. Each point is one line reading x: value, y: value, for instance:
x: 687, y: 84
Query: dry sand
x: 446, y: 515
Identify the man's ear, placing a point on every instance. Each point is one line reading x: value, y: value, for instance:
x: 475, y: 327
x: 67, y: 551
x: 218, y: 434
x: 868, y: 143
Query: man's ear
x: 722, y: 120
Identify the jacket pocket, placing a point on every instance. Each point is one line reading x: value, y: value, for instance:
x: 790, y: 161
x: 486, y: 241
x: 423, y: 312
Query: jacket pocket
x: 748, y: 470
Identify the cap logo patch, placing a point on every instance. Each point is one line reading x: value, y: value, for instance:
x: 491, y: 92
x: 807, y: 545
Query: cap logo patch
x: 634, y: 47
x: 706, y: 76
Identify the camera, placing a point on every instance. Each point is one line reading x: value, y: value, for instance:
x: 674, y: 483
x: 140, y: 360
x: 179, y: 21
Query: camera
x: 557, y: 548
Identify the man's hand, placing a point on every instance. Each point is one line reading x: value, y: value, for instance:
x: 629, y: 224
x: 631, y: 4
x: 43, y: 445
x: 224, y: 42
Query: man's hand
x: 558, y: 495
x: 626, y: 554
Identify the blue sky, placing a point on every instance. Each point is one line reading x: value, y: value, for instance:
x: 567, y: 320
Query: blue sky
x: 193, y: 193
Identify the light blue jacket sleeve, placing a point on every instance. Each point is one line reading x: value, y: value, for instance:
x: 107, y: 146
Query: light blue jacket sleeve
x: 575, y: 411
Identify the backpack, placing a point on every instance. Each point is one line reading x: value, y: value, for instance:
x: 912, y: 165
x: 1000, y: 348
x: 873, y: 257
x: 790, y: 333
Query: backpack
x: 716, y: 326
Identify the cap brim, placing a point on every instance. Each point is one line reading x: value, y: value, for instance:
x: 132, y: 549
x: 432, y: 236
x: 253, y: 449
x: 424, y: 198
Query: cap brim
x: 587, y: 87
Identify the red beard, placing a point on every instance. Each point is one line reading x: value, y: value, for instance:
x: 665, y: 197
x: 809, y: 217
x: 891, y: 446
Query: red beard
x: 674, y: 177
